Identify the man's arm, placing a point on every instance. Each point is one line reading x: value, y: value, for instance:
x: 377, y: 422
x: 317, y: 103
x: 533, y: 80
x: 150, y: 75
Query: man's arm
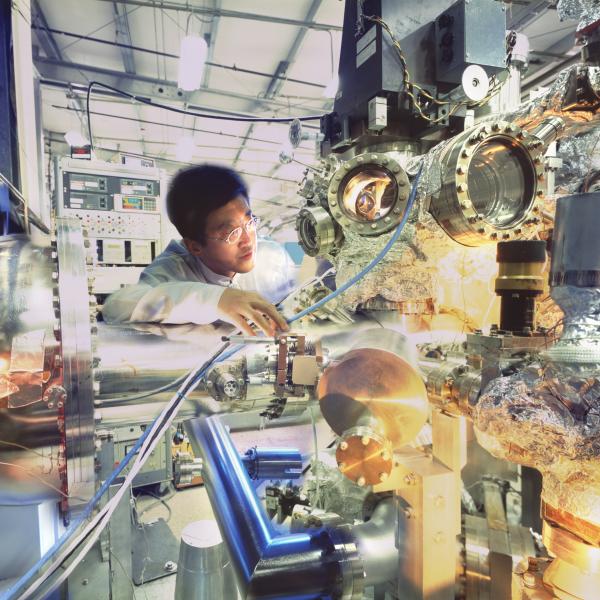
x: 192, y: 302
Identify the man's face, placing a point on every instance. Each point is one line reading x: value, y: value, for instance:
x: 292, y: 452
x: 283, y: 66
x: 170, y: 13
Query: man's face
x: 219, y: 256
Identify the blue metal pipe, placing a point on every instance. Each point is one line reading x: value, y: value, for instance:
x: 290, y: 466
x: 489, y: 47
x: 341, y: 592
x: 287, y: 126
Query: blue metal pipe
x: 273, y: 463
x: 264, y: 560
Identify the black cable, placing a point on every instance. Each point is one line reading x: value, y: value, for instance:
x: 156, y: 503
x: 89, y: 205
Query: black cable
x: 208, y: 63
x: 182, y: 111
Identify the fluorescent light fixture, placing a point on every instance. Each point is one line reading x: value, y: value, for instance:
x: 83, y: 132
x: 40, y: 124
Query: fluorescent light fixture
x: 185, y: 149
x: 192, y: 57
x: 332, y: 87
x: 75, y: 139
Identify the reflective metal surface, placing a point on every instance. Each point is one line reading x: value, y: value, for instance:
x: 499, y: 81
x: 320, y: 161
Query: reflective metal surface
x: 204, y: 571
x: 267, y: 565
x: 31, y: 451
x: 491, y: 179
x: 378, y: 384
x: 76, y: 325
x: 376, y: 542
x: 368, y: 194
x: 501, y: 182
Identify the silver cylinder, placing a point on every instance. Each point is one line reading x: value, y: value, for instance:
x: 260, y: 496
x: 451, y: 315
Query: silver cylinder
x: 576, y: 243
x: 376, y: 543
x: 204, y: 571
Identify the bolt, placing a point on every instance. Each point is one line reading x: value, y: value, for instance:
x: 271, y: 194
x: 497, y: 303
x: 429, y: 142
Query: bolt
x: 341, y: 466
x: 365, y: 439
x: 361, y: 481
x: 383, y: 476
x: 85, y: 581
x: 170, y: 566
x: 439, y: 537
x: 460, y: 171
x: 439, y: 501
x: 333, y: 203
x: 410, y: 479
x: 385, y: 455
x: 344, y: 446
x: 461, y: 187
x: 373, y: 225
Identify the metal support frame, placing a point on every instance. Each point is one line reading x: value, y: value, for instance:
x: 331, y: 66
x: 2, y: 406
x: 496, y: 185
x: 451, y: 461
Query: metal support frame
x: 50, y: 47
x: 277, y: 81
x: 123, y: 36
x: 233, y: 14
x: 8, y: 132
x: 147, y: 87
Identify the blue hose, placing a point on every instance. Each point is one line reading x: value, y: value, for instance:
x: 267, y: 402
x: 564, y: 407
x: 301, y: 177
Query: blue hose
x: 23, y: 580
x: 373, y: 263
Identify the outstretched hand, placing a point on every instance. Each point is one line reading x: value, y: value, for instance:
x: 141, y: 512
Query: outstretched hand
x: 240, y: 307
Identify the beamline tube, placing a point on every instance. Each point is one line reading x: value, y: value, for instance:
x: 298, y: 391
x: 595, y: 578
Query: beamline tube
x: 267, y: 564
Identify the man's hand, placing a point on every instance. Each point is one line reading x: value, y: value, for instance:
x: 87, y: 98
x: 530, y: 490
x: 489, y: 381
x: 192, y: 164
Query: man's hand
x: 239, y: 307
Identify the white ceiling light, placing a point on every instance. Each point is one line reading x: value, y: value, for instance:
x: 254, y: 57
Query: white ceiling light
x: 75, y: 139
x: 185, y: 149
x: 192, y: 57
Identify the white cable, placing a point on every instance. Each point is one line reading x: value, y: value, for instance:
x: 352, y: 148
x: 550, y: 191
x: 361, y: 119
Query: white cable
x: 103, y: 516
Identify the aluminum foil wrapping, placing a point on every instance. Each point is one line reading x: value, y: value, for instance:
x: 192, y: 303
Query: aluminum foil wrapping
x: 585, y: 11
x: 548, y: 415
x: 560, y: 100
x: 406, y: 273
x: 580, y: 158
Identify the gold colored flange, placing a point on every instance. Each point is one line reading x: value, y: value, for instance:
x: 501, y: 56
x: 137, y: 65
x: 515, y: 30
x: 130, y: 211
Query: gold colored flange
x: 364, y: 457
x: 453, y: 207
x: 352, y: 167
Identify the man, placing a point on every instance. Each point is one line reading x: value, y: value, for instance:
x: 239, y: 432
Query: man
x: 210, y: 274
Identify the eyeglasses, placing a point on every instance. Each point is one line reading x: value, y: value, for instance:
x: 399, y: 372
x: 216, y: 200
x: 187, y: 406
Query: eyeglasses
x: 235, y: 234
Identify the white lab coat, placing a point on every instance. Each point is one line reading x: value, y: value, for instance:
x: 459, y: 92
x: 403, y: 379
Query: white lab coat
x: 179, y: 288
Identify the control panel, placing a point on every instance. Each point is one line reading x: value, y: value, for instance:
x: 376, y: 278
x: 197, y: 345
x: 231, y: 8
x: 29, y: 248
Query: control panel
x: 118, y: 206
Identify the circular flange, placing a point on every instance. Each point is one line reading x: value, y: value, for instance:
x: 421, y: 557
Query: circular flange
x: 317, y: 231
x: 453, y: 207
x: 364, y: 456
x: 353, y: 167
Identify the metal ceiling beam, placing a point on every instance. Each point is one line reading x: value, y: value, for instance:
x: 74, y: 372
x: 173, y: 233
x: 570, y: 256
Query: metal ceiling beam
x: 233, y: 14
x: 108, y: 95
x: 147, y: 87
x: 277, y: 80
x: 559, y: 48
x: 168, y: 125
x: 123, y: 35
x: 45, y: 38
x: 52, y: 50
x: 124, y: 38
x: 531, y: 12
x: 209, y: 63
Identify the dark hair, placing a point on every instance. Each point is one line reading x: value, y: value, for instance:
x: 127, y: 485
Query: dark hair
x: 197, y: 191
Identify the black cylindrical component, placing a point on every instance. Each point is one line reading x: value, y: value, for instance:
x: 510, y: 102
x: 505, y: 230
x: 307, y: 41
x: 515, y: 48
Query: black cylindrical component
x: 519, y: 282
x: 576, y: 243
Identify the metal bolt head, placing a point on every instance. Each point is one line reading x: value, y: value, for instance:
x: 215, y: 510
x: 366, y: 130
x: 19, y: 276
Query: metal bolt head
x: 344, y: 446
x: 383, y: 476
x: 361, y: 481
x: 170, y: 566
x: 365, y: 439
